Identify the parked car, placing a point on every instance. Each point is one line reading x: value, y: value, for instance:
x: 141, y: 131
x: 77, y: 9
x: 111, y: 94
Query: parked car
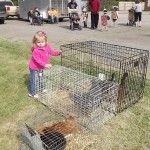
x: 2, y: 13
x: 11, y: 10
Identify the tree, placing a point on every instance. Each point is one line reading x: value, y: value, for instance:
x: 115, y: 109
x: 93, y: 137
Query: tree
x: 107, y: 4
x: 15, y: 2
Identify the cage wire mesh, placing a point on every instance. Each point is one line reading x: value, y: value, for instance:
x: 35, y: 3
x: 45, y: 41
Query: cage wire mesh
x: 128, y: 65
x: 49, y: 130
x: 87, y: 98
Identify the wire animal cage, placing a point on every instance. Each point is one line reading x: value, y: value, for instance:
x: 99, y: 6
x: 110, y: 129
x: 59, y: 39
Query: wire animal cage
x: 129, y: 66
x: 87, y: 98
x: 34, y: 134
x: 48, y: 130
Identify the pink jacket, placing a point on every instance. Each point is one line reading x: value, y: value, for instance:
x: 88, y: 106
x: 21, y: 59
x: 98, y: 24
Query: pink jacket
x: 41, y: 57
x: 104, y: 20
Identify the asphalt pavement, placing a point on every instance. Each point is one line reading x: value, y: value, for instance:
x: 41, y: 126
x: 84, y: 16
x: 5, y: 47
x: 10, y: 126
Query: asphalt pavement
x: 136, y: 37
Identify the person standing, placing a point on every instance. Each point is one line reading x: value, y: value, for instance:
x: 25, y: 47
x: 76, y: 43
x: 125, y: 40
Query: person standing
x: 95, y: 8
x: 104, y: 20
x: 114, y: 15
x: 40, y: 60
x: 72, y: 6
x: 85, y: 17
x: 138, y: 13
x: 30, y: 16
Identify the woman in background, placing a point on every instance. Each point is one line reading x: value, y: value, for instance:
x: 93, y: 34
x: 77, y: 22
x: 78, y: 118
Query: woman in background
x: 138, y: 13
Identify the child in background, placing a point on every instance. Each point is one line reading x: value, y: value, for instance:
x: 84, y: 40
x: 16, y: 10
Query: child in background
x: 104, y: 20
x: 41, y: 53
x: 30, y: 15
x: 114, y: 15
x: 85, y: 17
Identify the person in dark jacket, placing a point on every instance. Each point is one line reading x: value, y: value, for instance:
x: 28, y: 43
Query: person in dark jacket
x: 95, y: 8
x: 72, y: 5
x: 37, y: 15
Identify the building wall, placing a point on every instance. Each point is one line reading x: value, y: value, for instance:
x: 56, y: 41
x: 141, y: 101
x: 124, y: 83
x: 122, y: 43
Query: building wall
x: 127, y: 5
x: 147, y: 5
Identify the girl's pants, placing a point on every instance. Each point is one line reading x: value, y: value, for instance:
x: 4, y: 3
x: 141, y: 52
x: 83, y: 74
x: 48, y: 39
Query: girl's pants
x: 138, y: 16
x: 36, y: 81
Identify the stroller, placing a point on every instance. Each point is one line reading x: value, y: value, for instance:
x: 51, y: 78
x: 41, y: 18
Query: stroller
x: 74, y: 21
x: 131, y: 17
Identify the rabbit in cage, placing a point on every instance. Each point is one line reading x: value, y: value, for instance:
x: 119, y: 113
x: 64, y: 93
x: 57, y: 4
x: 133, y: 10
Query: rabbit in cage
x: 122, y: 90
x: 47, y: 141
x: 99, y: 92
x: 68, y: 126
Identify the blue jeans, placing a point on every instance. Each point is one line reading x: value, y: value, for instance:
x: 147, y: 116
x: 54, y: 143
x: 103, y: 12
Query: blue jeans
x: 36, y: 81
x: 53, y: 19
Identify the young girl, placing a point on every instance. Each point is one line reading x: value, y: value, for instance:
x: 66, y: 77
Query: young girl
x: 114, y: 15
x: 85, y: 17
x: 30, y: 14
x: 104, y: 20
x: 41, y: 53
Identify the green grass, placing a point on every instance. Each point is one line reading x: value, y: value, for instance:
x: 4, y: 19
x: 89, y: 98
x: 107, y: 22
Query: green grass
x: 129, y: 130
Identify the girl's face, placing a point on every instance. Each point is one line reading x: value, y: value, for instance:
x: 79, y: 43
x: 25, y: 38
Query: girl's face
x: 41, y: 42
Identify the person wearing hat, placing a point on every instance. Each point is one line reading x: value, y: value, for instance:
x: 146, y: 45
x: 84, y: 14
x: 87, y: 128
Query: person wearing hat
x: 85, y: 17
x: 104, y: 20
x: 114, y: 15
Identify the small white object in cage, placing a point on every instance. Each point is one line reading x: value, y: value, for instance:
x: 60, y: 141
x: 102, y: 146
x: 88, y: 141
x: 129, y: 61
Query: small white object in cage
x: 40, y: 74
x: 101, y: 76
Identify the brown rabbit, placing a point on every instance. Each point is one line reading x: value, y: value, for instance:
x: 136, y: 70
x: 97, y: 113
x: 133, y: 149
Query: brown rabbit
x: 65, y: 127
x: 122, y: 90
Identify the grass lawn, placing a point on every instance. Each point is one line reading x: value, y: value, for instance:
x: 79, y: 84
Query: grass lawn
x: 129, y: 130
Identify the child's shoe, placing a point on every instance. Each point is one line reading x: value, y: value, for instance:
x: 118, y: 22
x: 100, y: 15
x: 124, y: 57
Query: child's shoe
x: 45, y: 91
x: 34, y: 96
x: 29, y: 95
x: 136, y: 24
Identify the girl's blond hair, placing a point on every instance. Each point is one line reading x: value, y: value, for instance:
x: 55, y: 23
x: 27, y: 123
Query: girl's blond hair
x: 37, y: 36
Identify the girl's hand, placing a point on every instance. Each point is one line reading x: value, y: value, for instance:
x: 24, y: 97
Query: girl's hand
x: 60, y: 53
x: 48, y: 66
